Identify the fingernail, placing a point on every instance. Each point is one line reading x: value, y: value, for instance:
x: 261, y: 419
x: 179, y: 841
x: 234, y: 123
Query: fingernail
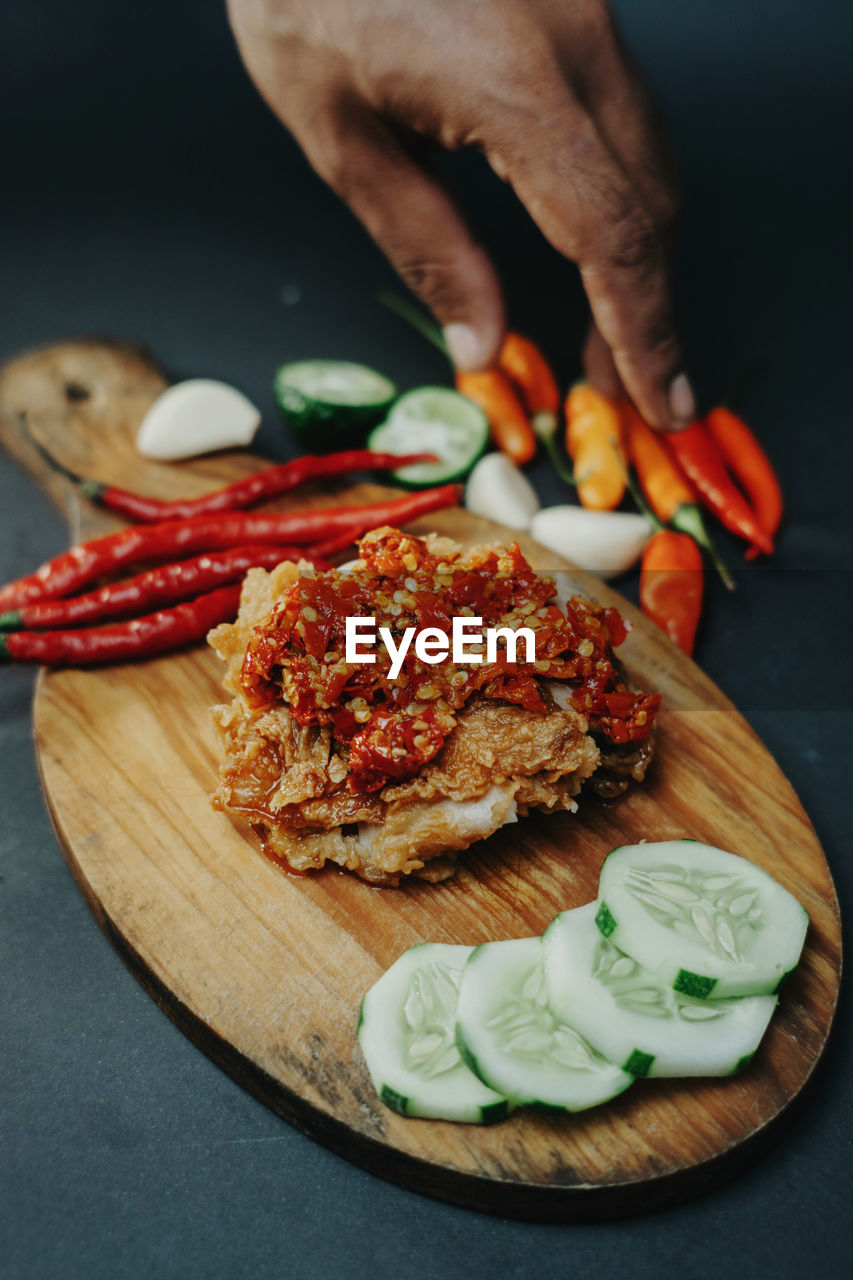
x: 682, y: 404
x: 465, y: 346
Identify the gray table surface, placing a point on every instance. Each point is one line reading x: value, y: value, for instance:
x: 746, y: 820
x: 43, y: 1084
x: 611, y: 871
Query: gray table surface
x: 148, y: 193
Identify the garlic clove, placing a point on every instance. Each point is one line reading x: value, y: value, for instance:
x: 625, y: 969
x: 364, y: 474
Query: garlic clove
x: 498, y: 490
x: 606, y: 543
x: 197, y: 416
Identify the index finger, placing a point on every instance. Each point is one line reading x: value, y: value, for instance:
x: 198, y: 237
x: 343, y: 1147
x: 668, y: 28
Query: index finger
x: 592, y: 212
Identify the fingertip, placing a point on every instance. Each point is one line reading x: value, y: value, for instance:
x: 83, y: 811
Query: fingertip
x: 664, y: 399
x: 470, y: 309
x: 466, y: 347
x: 681, y: 402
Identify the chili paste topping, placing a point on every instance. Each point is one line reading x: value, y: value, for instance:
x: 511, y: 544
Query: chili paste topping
x: 389, y: 727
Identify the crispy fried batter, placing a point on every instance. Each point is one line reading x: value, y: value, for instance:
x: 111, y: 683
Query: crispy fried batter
x: 289, y: 780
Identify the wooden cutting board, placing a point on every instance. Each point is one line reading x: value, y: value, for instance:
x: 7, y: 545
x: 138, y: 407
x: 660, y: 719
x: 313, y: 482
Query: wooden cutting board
x: 265, y: 971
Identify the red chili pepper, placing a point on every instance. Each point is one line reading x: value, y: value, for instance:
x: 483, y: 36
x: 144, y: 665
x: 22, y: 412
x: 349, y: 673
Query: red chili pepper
x: 671, y: 582
x: 154, y: 588
x: 701, y: 460
x: 750, y: 465
x: 624, y: 716
x: 84, y: 564
x: 242, y: 493
x: 139, y: 638
x: 331, y: 546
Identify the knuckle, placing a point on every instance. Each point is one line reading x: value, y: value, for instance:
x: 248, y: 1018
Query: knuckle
x: 654, y: 343
x: 634, y: 242
x: 454, y: 280
x: 331, y: 134
x: 524, y: 71
x: 660, y: 342
x: 430, y: 276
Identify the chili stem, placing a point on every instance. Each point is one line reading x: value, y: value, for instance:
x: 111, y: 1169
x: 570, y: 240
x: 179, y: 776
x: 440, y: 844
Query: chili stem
x: 686, y: 520
x: 414, y: 316
x: 642, y: 506
x: 555, y: 455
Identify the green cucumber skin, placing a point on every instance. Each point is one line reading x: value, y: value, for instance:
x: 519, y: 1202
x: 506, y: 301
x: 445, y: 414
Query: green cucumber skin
x: 695, y: 985
x: 498, y: 1110
x: 605, y: 921
x: 326, y: 425
x: 546, y: 1108
x: 468, y: 1057
x: 639, y: 1064
x: 783, y: 981
x: 394, y: 1101
x: 473, y: 1065
x: 495, y: 1112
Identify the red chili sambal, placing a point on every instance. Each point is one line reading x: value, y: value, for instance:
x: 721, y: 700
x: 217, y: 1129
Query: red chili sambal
x: 389, y: 726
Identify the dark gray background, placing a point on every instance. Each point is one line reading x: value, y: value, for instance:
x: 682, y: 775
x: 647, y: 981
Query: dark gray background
x: 148, y: 193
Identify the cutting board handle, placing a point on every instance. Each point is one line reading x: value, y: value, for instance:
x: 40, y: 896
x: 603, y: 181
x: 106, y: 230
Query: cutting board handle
x: 83, y: 401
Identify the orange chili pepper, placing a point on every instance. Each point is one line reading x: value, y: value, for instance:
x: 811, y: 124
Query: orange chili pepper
x: 668, y: 491
x: 508, y: 422
x: 594, y: 443
x: 531, y: 375
x: 671, y: 585
x: 664, y: 484
x: 750, y: 465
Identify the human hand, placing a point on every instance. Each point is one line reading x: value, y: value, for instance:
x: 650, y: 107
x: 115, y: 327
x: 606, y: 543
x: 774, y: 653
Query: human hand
x: 545, y: 89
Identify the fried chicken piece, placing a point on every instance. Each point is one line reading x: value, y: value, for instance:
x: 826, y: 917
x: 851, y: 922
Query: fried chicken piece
x: 289, y: 780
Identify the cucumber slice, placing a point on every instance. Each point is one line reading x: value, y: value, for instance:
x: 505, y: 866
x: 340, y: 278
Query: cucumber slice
x: 706, y: 921
x: 328, y: 400
x: 433, y: 420
x: 507, y: 1034
x: 635, y: 1019
x: 406, y: 1030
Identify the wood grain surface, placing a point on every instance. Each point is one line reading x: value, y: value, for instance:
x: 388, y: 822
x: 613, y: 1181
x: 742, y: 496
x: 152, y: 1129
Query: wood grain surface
x: 266, y: 971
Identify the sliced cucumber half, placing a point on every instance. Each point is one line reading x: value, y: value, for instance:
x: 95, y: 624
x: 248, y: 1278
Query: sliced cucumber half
x: 407, y: 1035
x: 635, y: 1019
x: 330, y: 399
x: 509, y: 1037
x: 433, y: 420
x: 703, y: 920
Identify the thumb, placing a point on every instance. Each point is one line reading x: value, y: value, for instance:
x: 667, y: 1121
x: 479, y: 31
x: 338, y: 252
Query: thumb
x: 417, y: 225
